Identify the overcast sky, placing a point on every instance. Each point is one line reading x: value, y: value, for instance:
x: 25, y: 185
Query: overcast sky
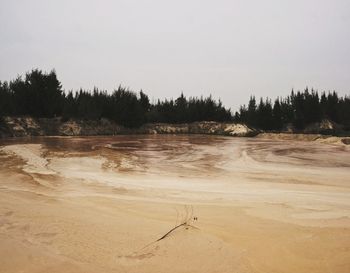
x: 229, y: 48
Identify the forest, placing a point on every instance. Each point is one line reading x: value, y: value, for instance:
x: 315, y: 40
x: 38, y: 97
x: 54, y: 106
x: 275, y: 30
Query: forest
x: 40, y: 94
x: 298, y: 109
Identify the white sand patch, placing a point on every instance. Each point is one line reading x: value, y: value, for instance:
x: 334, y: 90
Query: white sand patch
x: 89, y: 168
x: 32, y: 154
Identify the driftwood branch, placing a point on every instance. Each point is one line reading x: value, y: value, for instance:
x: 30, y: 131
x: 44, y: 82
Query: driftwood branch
x: 186, y: 222
x: 170, y: 231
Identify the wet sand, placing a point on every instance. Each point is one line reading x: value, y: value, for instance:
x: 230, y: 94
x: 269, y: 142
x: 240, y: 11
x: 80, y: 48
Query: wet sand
x: 99, y: 204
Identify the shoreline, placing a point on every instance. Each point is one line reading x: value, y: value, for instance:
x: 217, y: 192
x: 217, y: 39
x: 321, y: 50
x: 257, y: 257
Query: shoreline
x: 14, y: 127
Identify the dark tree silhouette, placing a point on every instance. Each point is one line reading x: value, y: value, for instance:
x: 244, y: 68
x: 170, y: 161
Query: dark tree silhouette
x: 299, y: 109
x: 40, y: 94
x: 277, y: 115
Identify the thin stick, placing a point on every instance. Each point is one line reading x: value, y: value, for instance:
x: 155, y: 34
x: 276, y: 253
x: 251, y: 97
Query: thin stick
x: 170, y: 231
x: 177, y: 216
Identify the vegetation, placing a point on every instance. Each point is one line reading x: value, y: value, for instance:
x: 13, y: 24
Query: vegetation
x: 40, y: 94
x: 299, y: 109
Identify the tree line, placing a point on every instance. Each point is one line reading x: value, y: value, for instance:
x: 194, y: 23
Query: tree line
x: 299, y: 109
x: 40, y: 94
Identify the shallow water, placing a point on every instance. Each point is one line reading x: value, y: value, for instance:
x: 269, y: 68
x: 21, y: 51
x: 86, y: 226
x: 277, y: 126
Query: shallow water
x: 205, y: 154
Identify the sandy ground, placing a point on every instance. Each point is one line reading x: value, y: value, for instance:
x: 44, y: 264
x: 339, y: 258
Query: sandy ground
x: 99, y: 204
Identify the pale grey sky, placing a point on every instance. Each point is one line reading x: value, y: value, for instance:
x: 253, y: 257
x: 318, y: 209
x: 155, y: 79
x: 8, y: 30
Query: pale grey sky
x: 230, y: 49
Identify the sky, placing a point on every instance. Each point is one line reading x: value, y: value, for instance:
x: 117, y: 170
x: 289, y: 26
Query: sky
x: 228, y: 48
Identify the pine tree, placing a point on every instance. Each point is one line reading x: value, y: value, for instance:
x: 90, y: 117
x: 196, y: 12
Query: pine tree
x: 277, y: 115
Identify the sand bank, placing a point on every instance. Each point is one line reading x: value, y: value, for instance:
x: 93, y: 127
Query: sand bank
x: 100, y: 204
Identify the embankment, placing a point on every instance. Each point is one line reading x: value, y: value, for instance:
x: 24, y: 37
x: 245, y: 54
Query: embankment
x: 323, y: 132
x: 28, y: 126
